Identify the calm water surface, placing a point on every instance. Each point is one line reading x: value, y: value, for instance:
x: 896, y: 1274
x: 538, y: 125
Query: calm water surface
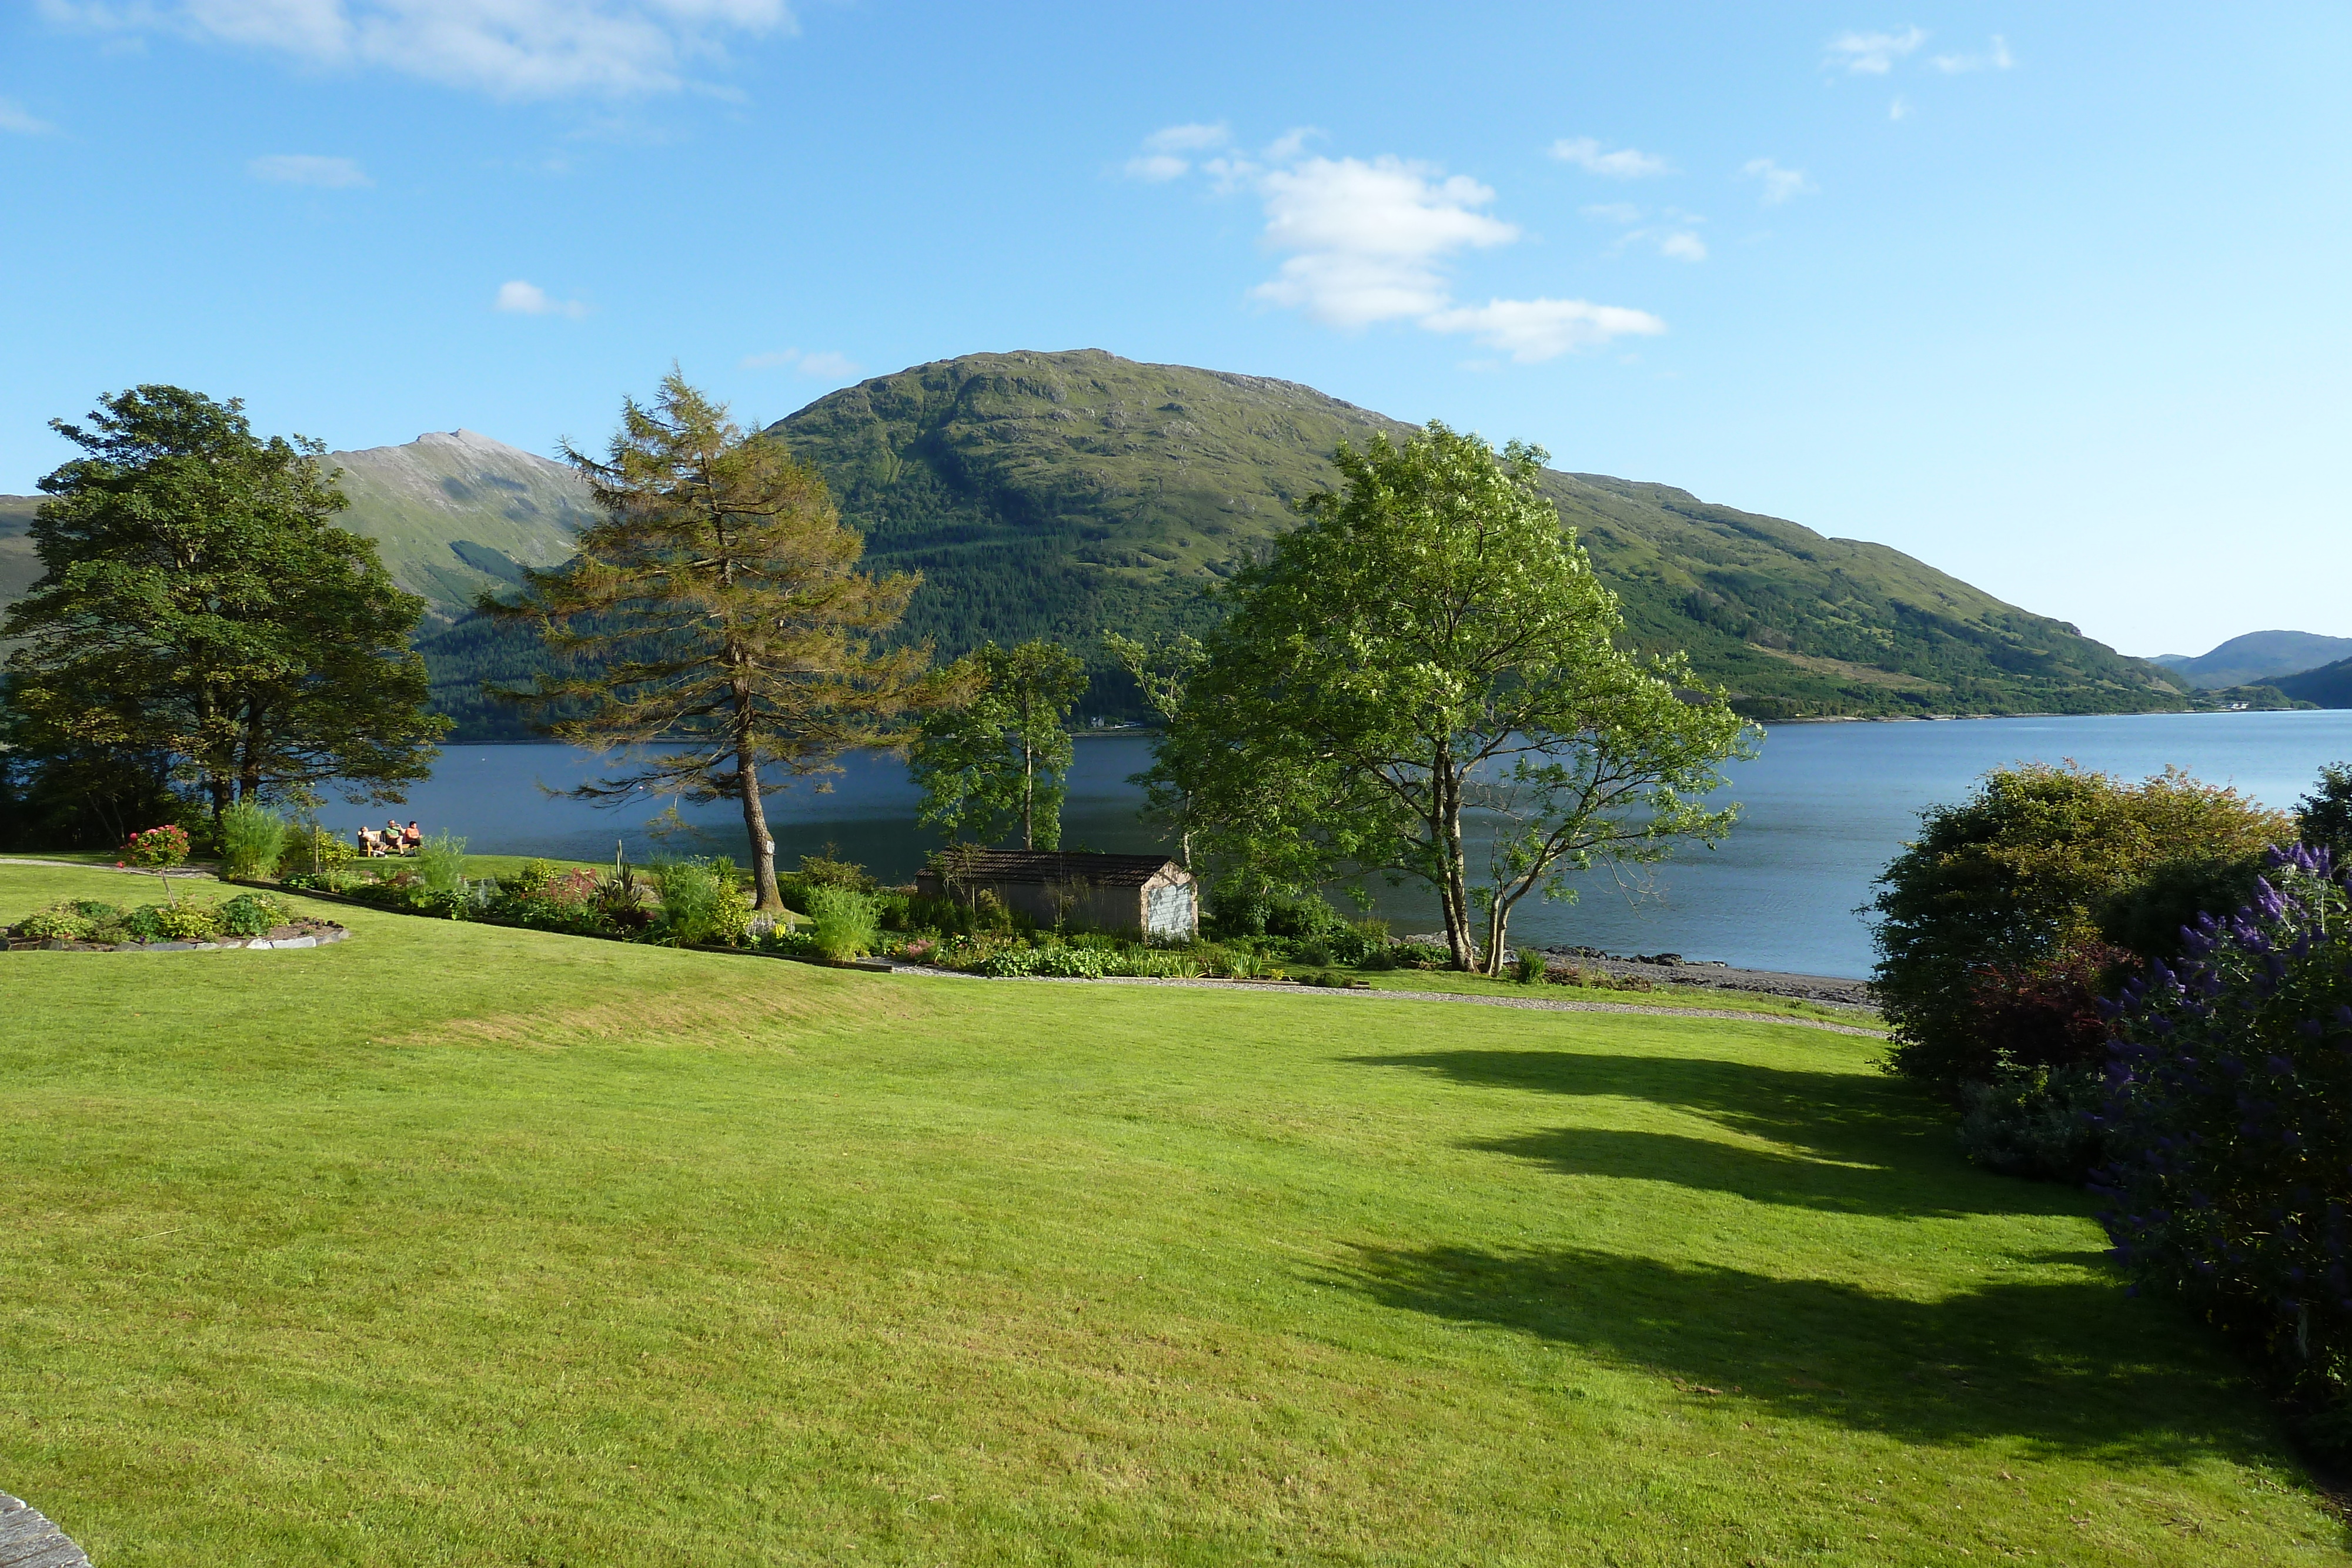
x: 1821, y: 812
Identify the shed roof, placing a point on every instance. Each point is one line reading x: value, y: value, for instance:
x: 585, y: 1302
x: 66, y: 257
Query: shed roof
x: 1055, y: 865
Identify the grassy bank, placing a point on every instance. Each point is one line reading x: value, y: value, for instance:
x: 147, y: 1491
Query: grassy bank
x: 457, y: 1244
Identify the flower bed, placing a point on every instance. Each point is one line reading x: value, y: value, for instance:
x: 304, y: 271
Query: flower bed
x: 91, y: 925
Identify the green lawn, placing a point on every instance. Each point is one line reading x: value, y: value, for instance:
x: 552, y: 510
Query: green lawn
x: 459, y: 1245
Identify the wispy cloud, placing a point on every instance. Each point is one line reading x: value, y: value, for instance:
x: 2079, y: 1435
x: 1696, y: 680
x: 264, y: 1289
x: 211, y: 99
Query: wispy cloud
x: 1535, y: 329
x: 309, y: 169
x: 1995, y: 58
x: 1372, y: 240
x: 1625, y: 163
x: 1162, y: 158
x: 522, y: 299
x: 824, y: 365
x: 1779, y: 183
x: 513, y: 48
x: 827, y: 365
x: 1673, y: 235
x: 16, y: 119
x: 1872, y: 54
x: 1899, y: 109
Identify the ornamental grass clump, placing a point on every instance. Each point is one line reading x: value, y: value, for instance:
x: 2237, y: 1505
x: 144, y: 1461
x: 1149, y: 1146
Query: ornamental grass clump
x: 2228, y: 1126
x: 842, y: 923
x: 252, y: 837
x: 441, y: 864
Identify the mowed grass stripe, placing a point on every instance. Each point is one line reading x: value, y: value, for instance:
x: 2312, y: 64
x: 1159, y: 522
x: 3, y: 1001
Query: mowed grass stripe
x: 452, y: 1245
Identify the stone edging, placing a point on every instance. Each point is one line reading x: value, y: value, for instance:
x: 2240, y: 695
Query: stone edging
x: 327, y: 938
x: 27, y: 1539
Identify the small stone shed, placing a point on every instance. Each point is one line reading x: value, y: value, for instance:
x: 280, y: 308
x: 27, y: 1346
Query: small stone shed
x: 1150, y: 894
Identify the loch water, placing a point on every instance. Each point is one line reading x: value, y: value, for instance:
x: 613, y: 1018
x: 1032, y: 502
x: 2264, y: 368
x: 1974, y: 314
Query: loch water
x: 1823, y: 808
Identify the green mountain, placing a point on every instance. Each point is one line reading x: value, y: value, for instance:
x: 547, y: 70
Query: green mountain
x: 1057, y: 494
x: 2255, y: 657
x: 454, y: 513
x: 2330, y: 685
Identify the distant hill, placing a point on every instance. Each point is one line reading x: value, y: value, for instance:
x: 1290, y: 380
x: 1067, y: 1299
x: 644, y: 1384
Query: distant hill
x: 2330, y: 685
x: 457, y: 513
x: 1057, y: 494
x: 2256, y: 657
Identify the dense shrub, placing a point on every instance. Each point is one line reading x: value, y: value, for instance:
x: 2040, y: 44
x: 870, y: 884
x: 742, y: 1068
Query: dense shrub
x: 842, y: 923
x: 314, y: 852
x: 2228, y: 1129
x: 1527, y: 965
x: 1421, y: 956
x: 187, y: 922
x: 253, y: 915
x: 2325, y: 816
x: 251, y: 838
x: 2010, y: 887
x: 2037, y: 1122
x: 703, y: 902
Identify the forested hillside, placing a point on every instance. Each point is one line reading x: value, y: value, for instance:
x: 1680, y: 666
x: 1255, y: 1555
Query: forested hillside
x: 1057, y: 494
x: 1061, y: 494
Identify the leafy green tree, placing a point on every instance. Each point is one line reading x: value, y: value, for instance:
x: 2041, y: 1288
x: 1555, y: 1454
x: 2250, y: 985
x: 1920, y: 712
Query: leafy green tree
x: 715, y: 622
x: 2004, y: 895
x: 2325, y: 816
x: 1162, y: 669
x: 996, y: 759
x: 1424, y: 676
x: 198, y: 601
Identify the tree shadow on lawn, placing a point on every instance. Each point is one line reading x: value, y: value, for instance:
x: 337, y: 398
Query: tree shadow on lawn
x: 2069, y: 1367
x: 1848, y: 1143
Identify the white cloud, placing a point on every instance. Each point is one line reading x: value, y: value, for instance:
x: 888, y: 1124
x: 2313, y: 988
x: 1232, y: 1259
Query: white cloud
x: 1899, y: 108
x: 1369, y: 237
x: 1613, y: 212
x: 1290, y: 144
x: 1371, y: 240
x: 308, y: 169
x: 1996, y: 59
x: 1188, y: 138
x: 1158, y: 161
x: 530, y: 299
x: 1779, y: 184
x: 513, y: 48
x: 13, y: 117
x: 1534, y: 329
x: 1157, y: 168
x: 1873, y: 53
x: 827, y: 365
x: 1625, y: 163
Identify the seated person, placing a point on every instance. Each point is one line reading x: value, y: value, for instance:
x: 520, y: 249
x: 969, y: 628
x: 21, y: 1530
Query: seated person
x: 412, y: 838
x: 390, y: 837
x: 366, y: 837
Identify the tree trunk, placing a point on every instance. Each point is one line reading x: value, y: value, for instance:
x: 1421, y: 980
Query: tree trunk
x: 1445, y: 787
x: 755, y: 824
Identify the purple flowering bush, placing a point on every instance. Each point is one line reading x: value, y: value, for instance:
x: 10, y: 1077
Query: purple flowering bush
x: 2228, y: 1129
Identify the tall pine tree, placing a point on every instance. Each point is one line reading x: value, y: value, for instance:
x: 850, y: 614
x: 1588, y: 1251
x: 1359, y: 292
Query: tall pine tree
x: 719, y: 629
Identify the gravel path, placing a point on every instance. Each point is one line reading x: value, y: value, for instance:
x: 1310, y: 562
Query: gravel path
x: 1531, y: 1004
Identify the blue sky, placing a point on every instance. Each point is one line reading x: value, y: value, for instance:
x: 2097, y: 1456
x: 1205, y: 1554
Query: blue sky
x: 2053, y: 298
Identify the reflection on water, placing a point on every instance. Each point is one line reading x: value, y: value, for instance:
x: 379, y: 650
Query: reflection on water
x: 1822, y: 809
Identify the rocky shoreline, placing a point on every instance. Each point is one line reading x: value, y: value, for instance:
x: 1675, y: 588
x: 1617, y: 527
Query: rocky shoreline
x: 1674, y: 969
